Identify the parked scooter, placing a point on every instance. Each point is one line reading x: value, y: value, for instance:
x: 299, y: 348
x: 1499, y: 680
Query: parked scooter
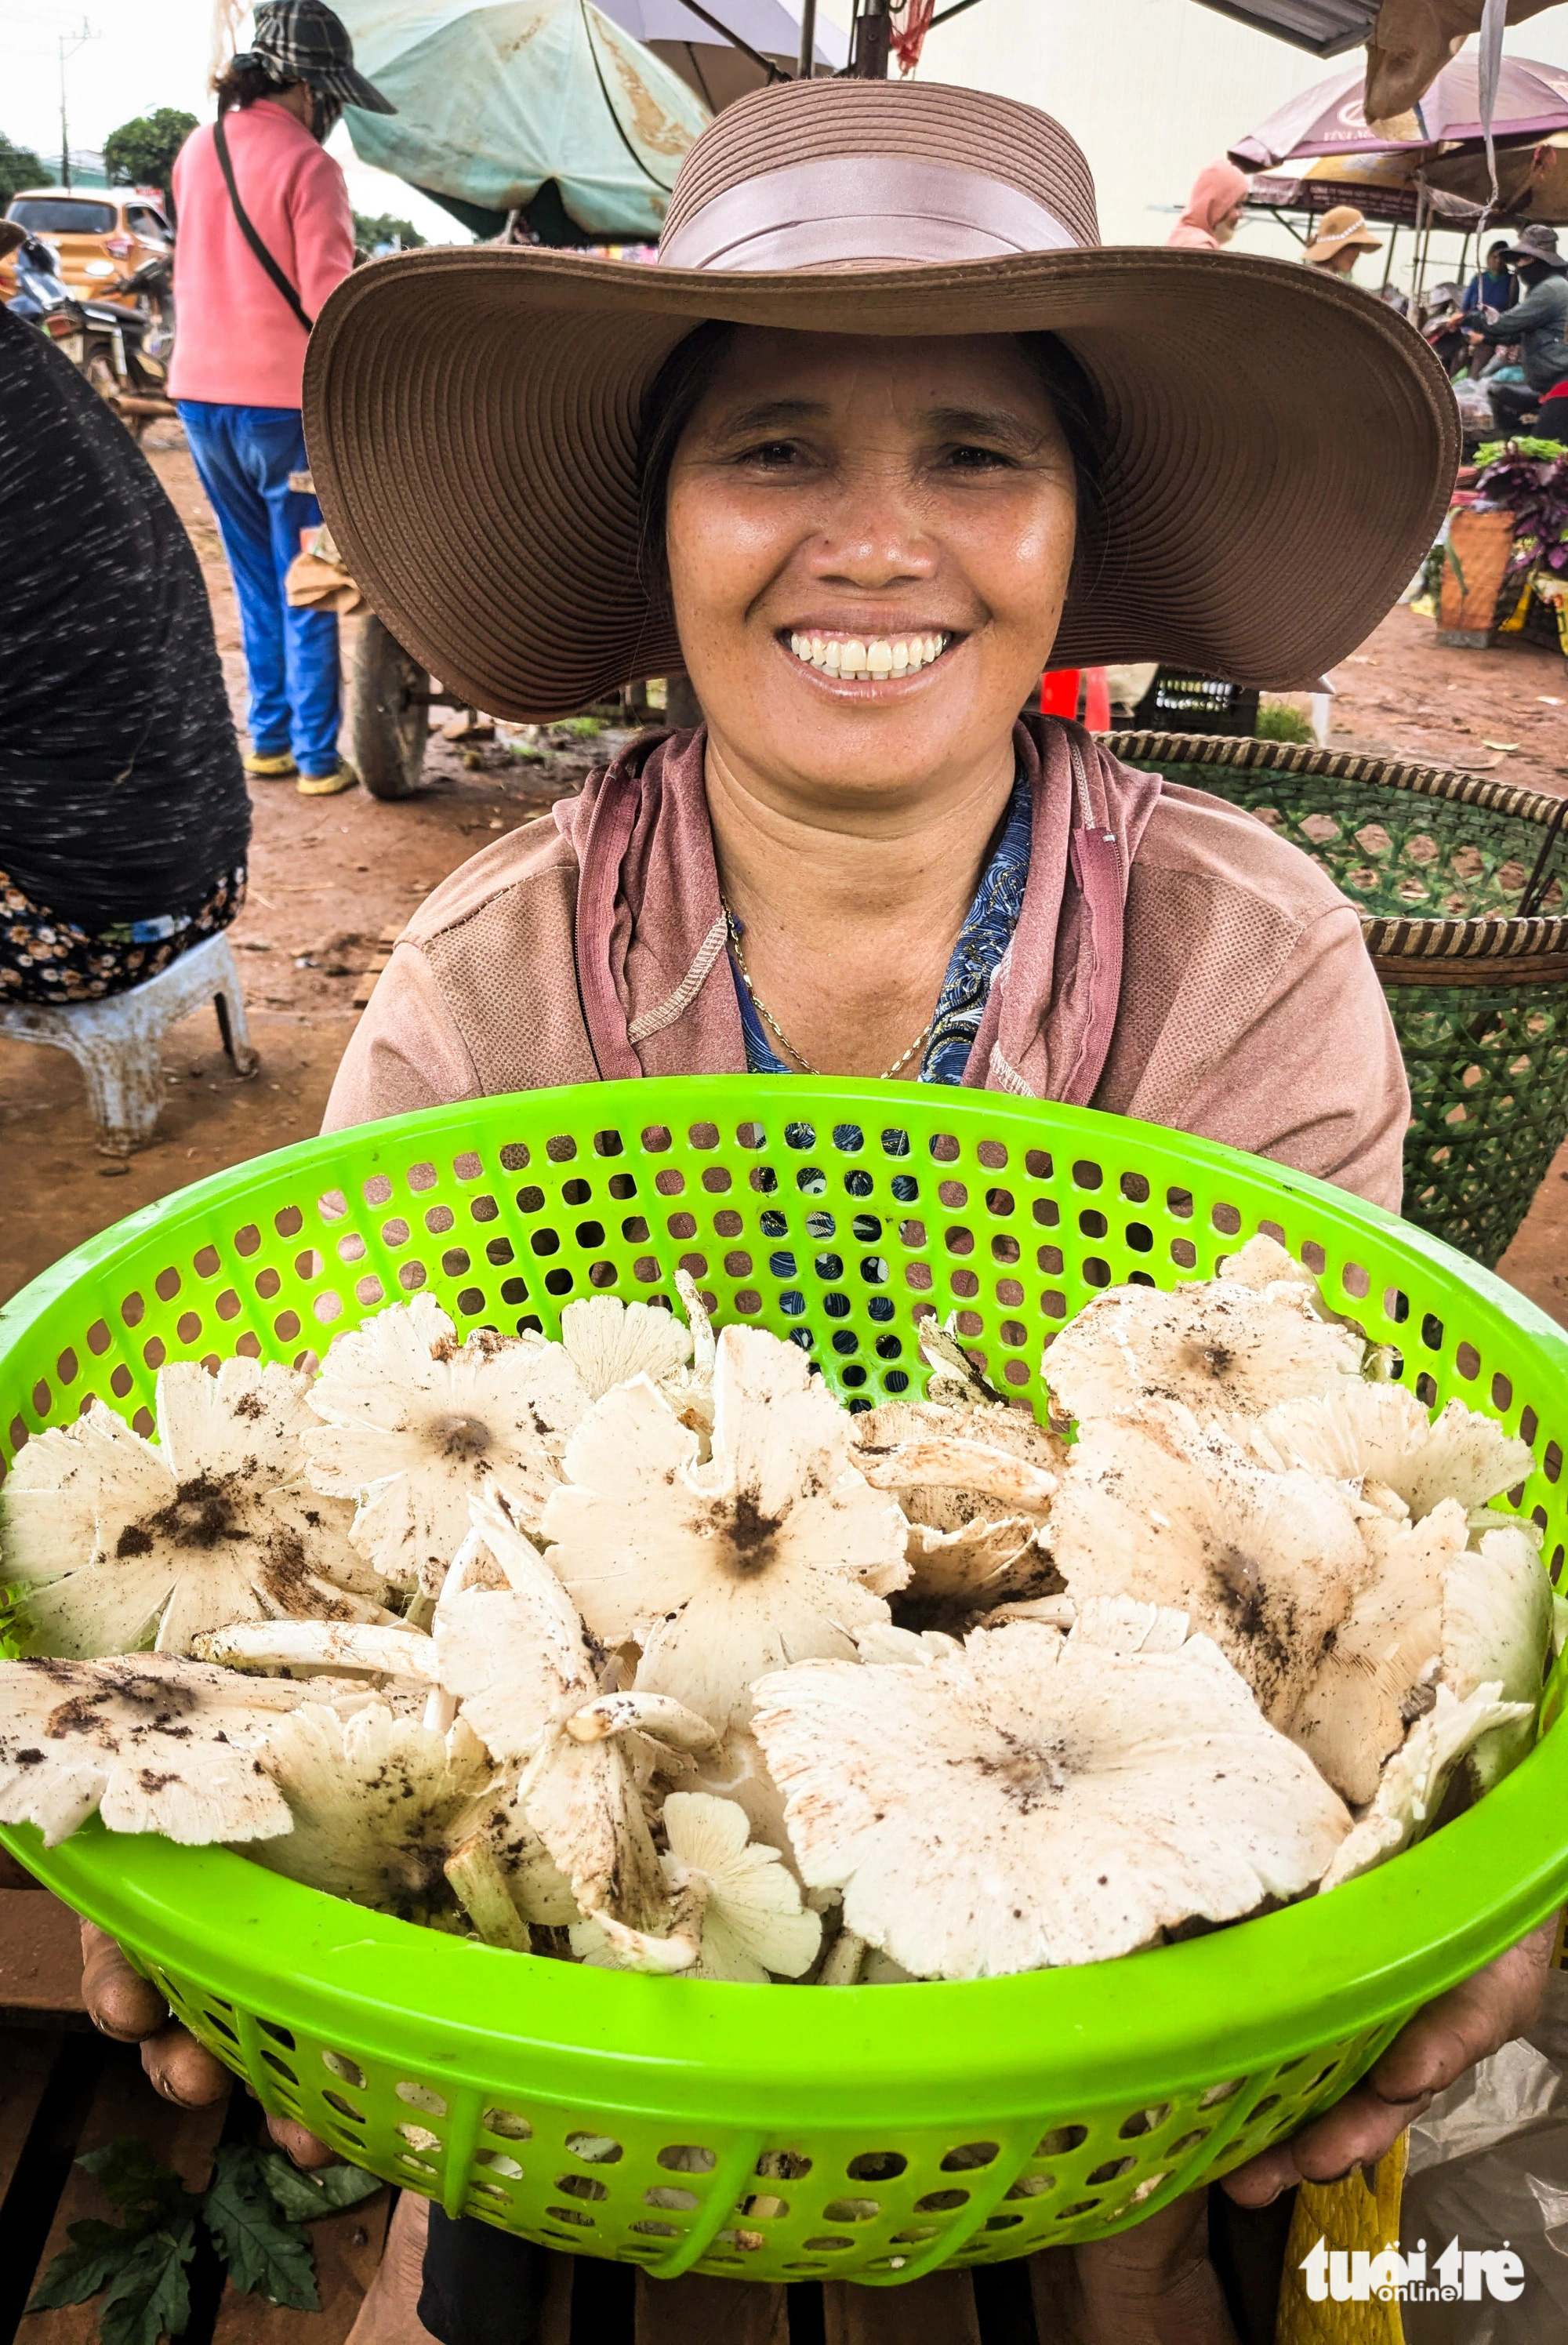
x: 122, y: 347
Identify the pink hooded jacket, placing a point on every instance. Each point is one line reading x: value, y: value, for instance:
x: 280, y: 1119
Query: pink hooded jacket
x: 1217, y: 190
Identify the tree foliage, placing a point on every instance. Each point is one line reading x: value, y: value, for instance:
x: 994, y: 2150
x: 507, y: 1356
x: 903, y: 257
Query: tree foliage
x: 20, y: 168
x: 381, y: 228
x: 141, y: 152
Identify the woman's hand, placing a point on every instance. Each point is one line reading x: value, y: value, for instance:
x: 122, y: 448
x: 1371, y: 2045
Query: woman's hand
x: 1425, y: 2057
x: 129, y: 2009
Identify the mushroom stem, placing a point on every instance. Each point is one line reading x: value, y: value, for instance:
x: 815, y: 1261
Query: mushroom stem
x: 844, y: 1957
x: 322, y: 1645
x: 638, y: 1950
x: 704, y: 1344
x: 481, y: 1889
x: 657, y: 1714
x: 952, y: 1464
x: 440, y: 1710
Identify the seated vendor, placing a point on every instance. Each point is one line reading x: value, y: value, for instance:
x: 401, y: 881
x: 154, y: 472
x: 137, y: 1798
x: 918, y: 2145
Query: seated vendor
x: 885, y: 433
x: 1538, y: 323
x: 124, y: 817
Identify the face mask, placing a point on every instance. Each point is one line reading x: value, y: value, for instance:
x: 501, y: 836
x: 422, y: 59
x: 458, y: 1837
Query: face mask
x: 325, y: 113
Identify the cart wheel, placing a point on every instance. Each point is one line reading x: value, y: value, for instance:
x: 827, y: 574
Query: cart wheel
x: 389, y: 713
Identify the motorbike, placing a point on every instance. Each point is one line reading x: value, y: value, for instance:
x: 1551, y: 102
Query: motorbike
x: 123, y: 346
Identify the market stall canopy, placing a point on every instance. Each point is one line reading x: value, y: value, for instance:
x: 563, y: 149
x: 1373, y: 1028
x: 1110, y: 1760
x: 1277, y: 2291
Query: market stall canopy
x: 720, y: 71
x: 1327, y: 28
x: 1331, y: 117
x: 1382, y: 187
x: 1531, y: 181
x: 495, y: 103
x: 1413, y: 40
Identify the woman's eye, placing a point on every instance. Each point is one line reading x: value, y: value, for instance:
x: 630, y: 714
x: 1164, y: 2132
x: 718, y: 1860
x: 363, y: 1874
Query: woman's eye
x: 969, y: 459
x: 771, y: 455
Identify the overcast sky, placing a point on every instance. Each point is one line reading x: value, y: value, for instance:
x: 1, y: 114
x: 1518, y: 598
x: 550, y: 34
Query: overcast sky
x: 1152, y: 88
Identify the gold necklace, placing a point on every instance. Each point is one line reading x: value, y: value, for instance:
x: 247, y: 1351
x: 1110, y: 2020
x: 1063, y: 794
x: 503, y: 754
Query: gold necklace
x: 771, y: 1022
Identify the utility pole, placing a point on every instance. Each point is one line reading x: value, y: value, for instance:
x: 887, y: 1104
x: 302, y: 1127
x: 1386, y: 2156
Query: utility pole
x: 68, y: 44
x: 872, y: 27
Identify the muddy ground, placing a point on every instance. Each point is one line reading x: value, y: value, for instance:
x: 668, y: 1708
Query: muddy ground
x: 330, y: 877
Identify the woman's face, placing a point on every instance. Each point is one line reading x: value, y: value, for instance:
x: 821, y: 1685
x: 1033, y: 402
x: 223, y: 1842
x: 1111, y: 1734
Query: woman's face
x: 868, y: 543
x: 1224, y: 230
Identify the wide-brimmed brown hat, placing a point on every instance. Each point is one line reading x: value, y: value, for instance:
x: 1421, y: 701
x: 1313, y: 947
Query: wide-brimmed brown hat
x: 1279, y: 449
x: 1336, y: 228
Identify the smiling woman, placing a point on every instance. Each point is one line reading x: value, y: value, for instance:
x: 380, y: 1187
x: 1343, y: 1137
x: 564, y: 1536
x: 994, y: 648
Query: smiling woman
x: 886, y: 433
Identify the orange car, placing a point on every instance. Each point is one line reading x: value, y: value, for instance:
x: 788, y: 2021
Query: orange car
x: 99, y: 233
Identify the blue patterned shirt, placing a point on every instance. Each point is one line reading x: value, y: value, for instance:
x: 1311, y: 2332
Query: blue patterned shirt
x: 987, y: 933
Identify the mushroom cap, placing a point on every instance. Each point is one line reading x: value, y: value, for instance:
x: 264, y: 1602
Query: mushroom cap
x: 1409, y: 1792
x: 120, y: 1541
x: 954, y: 1574
x: 753, y: 1923
x: 1267, y: 1564
x: 1381, y: 1432
x: 736, y: 1771
x: 1263, y: 1261
x: 774, y: 1549
x: 1041, y: 1799
x: 608, y: 1342
x: 153, y: 1743
x: 1372, y: 1682
x: 1497, y: 1627
x: 413, y: 1423
x: 1219, y: 1347
x: 520, y: 1662
x: 379, y: 1802
x: 894, y: 1425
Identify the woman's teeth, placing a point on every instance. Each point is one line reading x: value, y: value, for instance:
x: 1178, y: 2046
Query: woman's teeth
x: 881, y: 655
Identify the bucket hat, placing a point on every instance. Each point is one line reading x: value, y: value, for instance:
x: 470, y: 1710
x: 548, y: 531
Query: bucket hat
x: 1277, y: 450
x: 1537, y: 242
x: 302, y: 40
x: 1336, y: 228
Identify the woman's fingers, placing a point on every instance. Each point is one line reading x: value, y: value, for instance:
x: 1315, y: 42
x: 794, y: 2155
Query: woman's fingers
x: 1446, y: 2037
x: 183, y: 2070
x: 294, y: 2142
x: 1469, y: 2021
x: 120, y: 2002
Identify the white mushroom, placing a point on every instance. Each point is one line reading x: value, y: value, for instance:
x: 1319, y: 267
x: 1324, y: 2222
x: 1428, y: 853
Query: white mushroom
x: 1382, y: 1433
x: 775, y: 1550
x: 955, y: 1576
x: 737, y: 1771
x: 748, y: 1910
x: 1267, y: 1564
x: 378, y: 1803
x: 1263, y: 1261
x: 117, y: 1542
x: 1497, y: 1621
x: 322, y: 1646
x: 608, y: 1342
x: 1041, y: 1799
x: 1375, y: 1675
x: 415, y: 1424
x: 1415, y: 1779
x: 154, y: 1743
x: 878, y: 1646
x: 916, y: 1432
x: 521, y: 1664
x: 1218, y: 1346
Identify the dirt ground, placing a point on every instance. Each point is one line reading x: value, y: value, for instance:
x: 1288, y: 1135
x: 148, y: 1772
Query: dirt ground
x: 331, y: 878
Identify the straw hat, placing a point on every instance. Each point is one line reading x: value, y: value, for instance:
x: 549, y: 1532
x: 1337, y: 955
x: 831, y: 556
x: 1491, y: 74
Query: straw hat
x: 1279, y: 449
x: 1342, y: 226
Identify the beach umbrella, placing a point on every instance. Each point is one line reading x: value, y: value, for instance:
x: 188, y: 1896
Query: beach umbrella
x: 1329, y: 119
x: 1390, y: 188
x: 496, y: 103
x: 721, y: 70
x: 1531, y: 181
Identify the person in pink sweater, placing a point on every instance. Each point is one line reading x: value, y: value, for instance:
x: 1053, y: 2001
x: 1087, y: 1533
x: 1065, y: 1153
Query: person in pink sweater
x: 1213, y: 211
x: 265, y: 234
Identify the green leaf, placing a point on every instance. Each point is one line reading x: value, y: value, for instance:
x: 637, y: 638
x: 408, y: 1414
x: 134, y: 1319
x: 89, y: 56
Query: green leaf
x: 151, y: 2298
x: 261, y: 2251
x: 305, y: 2197
x: 97, y: 2252
x: 127, y: 2172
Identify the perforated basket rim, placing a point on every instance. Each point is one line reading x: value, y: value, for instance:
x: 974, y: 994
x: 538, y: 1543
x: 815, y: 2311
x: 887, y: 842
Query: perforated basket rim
x: 1393, y: 938
x: 1348, y: 1965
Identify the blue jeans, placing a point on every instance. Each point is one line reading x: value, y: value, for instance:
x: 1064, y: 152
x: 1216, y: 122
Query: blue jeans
x: 244, y: 456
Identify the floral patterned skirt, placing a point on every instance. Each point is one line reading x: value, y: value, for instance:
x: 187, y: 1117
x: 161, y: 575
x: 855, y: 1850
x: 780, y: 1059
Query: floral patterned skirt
x: 46, y: 959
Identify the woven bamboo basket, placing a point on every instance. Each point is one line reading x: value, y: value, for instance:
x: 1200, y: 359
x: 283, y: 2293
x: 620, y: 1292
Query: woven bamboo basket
x: 1462, y: 887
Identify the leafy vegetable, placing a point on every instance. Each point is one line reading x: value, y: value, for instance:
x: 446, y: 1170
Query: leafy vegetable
x: 255, y: 2210
x: 1534, y: 489
x: 1523, y: 447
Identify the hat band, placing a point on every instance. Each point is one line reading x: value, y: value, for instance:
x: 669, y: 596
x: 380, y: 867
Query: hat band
x: 868, y: 208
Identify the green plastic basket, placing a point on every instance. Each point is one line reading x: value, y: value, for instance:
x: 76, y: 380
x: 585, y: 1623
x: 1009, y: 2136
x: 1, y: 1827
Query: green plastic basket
x: 1460, y: 883
x: 759, y: 2132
